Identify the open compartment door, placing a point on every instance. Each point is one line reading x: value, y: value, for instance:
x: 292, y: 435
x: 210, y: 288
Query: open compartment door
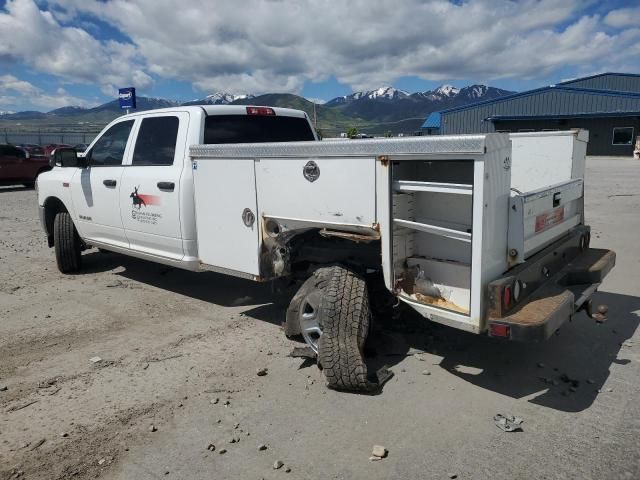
x: 226, y: 218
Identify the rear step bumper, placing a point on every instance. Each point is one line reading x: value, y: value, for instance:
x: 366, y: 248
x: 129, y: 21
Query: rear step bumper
x: 558, y: 282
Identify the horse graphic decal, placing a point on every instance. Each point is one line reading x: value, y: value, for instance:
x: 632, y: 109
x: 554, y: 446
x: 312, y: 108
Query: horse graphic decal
x: 138, y: 201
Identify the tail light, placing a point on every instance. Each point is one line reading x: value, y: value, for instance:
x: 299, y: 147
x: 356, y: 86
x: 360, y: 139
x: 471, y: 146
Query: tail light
x: 497, y: 330
x: 265, y: 111
x: 506, y: 297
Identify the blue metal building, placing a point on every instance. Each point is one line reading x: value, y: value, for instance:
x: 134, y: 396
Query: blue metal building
x: 608, y: 105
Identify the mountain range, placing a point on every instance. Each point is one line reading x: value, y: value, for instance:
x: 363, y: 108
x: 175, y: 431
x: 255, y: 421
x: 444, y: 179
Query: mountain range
x: 386, y: 109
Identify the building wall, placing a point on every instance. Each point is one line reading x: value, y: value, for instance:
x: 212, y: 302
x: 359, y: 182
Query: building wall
x: 600, y: 131
x: 553, y: 101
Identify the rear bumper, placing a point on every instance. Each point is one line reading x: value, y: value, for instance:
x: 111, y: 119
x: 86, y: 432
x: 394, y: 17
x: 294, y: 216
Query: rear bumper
x: 557, y: 283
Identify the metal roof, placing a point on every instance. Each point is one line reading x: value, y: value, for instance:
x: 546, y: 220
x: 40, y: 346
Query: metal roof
x: 565, y: 100
x: 433, y: 120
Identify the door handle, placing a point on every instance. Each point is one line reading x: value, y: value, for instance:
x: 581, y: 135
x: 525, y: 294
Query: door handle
x: 166, y: 186
x: 109, y: 183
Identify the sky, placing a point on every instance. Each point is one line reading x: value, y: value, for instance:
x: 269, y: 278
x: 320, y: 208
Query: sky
x: 56, y: 53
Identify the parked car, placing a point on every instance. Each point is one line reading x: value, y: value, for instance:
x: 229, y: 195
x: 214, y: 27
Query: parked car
x: 33, y: 149
x: 18, y: 166
x: 51, y: 147
x: 81, y: 147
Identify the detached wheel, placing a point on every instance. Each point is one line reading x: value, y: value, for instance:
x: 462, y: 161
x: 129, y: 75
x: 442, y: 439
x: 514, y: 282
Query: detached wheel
x: 67, y: 243
x: 345, y: 318
x: 331, y: 312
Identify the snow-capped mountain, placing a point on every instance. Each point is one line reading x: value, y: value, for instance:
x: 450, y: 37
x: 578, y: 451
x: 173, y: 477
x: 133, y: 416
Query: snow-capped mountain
x: 219, y: 98
x: 6, y: 112
x: 382, y: 93
x: 438, y: 94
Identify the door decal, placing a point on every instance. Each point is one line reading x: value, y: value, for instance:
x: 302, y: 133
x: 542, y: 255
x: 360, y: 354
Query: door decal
x: 139, y: 200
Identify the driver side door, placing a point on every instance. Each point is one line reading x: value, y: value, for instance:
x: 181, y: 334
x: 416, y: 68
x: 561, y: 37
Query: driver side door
x: 95, y: 190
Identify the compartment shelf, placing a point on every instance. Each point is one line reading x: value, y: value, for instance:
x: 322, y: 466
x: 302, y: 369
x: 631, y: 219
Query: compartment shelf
x: 415, y: 186
x: 442, y: 229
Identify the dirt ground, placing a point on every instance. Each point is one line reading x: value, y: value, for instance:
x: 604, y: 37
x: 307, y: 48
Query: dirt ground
x: 179, y: 353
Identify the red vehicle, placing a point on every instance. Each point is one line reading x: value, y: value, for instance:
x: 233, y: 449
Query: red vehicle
x: 50, y: 148
x: 18, y: 166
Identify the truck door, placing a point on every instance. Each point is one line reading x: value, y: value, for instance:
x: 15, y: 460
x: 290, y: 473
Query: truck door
x: 149, y: 197
x: 95, y: 189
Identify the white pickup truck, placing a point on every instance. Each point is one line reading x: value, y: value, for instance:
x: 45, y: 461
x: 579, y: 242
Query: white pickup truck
x: 484, y: 233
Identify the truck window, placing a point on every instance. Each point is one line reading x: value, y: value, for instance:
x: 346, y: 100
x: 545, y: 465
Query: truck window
x: 109, y: 149
x: 255, y: 129
x: 156, y: 142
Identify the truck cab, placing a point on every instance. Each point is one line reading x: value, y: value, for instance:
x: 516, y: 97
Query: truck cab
x: 132, y: 189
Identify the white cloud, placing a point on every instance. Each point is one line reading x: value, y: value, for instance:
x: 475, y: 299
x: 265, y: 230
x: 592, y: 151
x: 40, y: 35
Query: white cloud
x: 37, y: 38
x: 14, y: 91
x: 623, y: 17
x: 277, y: 45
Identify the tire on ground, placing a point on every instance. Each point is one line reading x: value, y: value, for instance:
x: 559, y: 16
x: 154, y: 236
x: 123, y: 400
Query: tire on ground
x: 345, y: 317
x: 318, y: 280
x: 67, y: 243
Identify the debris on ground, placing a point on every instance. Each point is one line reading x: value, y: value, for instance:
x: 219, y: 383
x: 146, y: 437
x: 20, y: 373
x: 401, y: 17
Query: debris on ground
x: 153, y: 428
x: 38, y: 444
x: 384, y: 375
x: 508, y: 423
x: 261, y: 372
x: 211, y: 447
x: 379, y: 451
x: 278, y: 464
x: 20, y: 406
x: 303, y: 352
x: 599, y: 317
x: 101, y: 461
x: 214, y: 401
x: 540, y: 365
x: 95, y: 359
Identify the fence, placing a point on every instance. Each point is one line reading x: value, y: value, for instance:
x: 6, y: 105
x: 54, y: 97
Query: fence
x: 46, y: 137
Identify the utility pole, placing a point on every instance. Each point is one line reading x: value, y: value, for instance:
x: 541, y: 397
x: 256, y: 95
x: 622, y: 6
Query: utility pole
x: 315, y: 116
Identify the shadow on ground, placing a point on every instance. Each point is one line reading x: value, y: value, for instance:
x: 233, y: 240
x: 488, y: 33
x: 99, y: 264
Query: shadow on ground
x: 563, y: 373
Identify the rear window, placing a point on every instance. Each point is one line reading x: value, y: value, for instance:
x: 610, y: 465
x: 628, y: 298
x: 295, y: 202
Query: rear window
x: 255, y: 129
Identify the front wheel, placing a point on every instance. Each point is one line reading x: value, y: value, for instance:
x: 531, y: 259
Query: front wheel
x: 67, y: 243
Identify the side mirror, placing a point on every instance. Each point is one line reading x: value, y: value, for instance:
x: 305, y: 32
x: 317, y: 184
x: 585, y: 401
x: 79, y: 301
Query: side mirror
x: 67, y: 157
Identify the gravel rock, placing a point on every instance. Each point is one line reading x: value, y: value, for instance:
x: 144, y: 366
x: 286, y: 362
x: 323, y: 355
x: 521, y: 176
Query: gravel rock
x: 211, y: 447
x: 262, y: 447
x: 3, y: 388
x: 214, y: 401
x: 261, y: 372
x: 222, y: 451
x: 287, y: 470
x: 379, y: 451
x: 426, y: 372
x: 278, y: 464
x: 153, y: 428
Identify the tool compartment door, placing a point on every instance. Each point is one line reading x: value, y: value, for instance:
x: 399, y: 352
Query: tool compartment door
x: 226, y: 219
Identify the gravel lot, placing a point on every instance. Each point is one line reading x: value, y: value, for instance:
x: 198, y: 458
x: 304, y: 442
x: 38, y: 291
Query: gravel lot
x: 172, y: 342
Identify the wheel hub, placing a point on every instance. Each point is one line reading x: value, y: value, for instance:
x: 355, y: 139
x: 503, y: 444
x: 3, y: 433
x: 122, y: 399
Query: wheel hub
x: 309, y: 318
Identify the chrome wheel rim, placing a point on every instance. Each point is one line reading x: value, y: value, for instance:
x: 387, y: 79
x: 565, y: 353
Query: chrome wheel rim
x: 309, y: 317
